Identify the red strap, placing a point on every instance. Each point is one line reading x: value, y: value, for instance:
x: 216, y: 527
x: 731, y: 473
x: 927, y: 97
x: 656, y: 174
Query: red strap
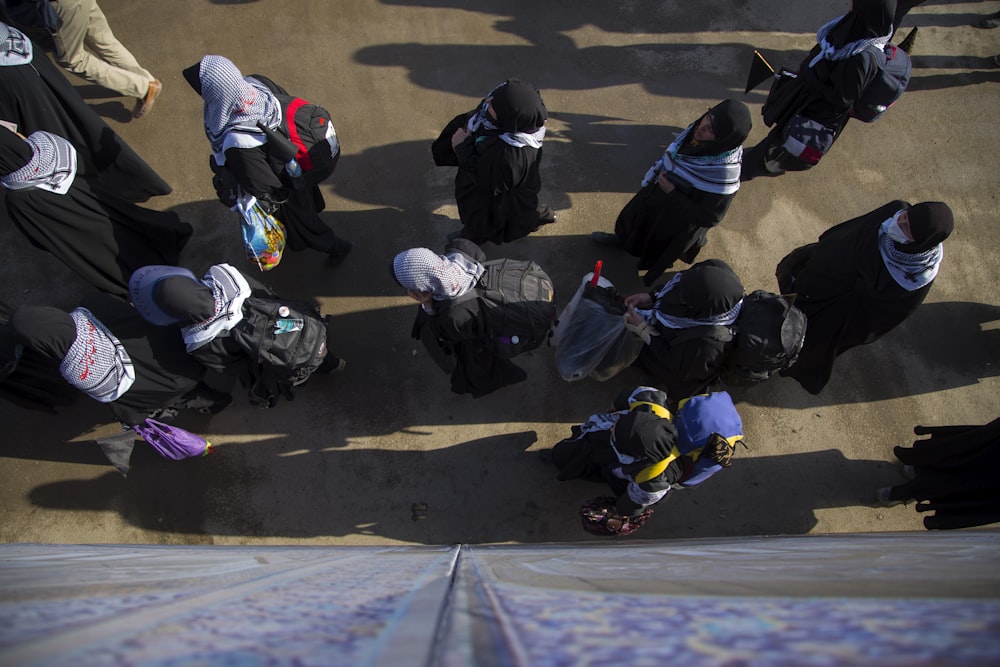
x: 302, y: 154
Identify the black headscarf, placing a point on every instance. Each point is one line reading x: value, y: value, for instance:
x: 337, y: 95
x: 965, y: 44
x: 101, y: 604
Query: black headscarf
x: 866, y: 20
x: 731, y: 124
x: 15, y: 152
x: 48, y: 331
x: 643, y: 435
x: 519, y: 107
x: 188, y: 300
x: 705, y: 290
x: 931, y: 222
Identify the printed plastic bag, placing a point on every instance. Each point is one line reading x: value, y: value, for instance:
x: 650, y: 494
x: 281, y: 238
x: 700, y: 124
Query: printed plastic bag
x: 172, y: 442
x: 263, y: 234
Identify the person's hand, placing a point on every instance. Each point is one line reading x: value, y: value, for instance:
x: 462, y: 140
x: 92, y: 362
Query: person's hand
x: 665, y: 183
x: 640, y: 300
x: 458, y: 137
x: 632, y: 318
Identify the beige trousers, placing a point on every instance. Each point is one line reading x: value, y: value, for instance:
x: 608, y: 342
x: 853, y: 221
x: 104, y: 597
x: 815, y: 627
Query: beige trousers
x: 91, y: 50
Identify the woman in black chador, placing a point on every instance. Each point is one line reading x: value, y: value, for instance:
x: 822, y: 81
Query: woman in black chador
x: 450, y: 321
x: 107, y: 351
x: 685, y: 326
x: 36, y: 96
x: 830, y: 79
x: 241, y: 157
x: 497, y: 149
x: 93, y: 231
x: 861, y: 279
x: 685, y: 193
x: 952, y: 473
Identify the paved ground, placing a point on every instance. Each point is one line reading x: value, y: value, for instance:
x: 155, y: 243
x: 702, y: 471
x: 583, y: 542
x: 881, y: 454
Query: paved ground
x: 348, y: 459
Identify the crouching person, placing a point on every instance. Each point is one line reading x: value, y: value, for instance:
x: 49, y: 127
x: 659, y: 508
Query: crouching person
x: 237, y: 326
x: 642, y: 452
x: 475, y: 316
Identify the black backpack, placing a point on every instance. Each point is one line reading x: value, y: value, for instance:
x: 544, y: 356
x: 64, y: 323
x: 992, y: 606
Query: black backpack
x: 310, y: 131
x: 888, y: 85
x: 769, y: 336
x: 288, y: 345
x: 518, y: 301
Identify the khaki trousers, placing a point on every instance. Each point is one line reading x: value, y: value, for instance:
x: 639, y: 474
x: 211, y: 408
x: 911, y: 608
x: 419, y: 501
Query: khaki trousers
x: 91, y: 50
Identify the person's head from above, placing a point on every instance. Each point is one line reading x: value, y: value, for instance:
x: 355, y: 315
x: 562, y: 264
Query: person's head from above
x: 925, y: 225
x: 516, y: 106
x: 722, y: 128
x: 643, y: 435
x: 48, y: 331
x: 427, y: 276
x: 166, y: 295
x: 865, y: 19
x: 706, y: 289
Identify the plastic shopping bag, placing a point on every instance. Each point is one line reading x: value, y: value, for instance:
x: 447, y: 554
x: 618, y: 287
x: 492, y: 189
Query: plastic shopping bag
x: 594, y: 327
x: 172, y: 442
x: 263, y: 234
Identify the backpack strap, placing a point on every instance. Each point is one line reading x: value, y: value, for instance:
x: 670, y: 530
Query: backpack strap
x: 655, y: 470
x: 302, y: 154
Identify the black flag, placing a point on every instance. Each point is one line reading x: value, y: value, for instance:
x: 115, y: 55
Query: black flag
x: 760, y: 71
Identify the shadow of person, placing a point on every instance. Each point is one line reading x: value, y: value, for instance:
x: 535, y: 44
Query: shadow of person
x: 942, y: 345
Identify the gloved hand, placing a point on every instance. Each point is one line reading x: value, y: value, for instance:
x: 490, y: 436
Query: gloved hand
x: 642, y: 329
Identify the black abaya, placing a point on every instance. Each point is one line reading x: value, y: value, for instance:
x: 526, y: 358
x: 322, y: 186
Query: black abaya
x: 846, y: 292
x: 98, y: 235
x: 37, y: 96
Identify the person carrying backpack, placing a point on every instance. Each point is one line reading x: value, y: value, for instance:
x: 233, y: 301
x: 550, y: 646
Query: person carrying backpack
x: 242, y: 116
x: 236, y: 326
x: 809, y: 110
x: 643, y: 452
x: 474, y: 315
x: 686, y: 327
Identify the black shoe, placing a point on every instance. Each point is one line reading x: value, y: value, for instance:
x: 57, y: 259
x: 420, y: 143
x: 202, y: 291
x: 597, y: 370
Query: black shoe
x: 907, y: 43
x: 605, y: 239
x: 546, y: 215
x: 340, y: 252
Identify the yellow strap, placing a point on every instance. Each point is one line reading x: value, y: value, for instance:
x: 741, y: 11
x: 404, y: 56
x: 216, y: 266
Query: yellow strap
x: 657, y: 468
x: 655, y: 408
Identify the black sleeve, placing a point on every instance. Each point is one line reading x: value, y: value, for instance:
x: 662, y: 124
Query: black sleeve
x: 252, y: 171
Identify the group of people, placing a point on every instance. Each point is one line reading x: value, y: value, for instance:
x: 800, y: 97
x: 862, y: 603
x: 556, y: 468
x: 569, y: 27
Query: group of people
x: 147, y: 345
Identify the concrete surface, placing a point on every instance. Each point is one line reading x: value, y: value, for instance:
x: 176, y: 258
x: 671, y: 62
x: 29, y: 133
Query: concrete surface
x: 346, y: 462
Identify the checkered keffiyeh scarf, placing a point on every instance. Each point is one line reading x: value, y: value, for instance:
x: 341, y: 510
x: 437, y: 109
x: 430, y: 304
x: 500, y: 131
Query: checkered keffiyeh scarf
x: 233, y: 106
x: 15, y: 48
x: 718, y: 174
x: 97, y: 363
x: 229, y: 290
x: 677, y: 322
x: 910, y: 270
x: 828, y: 51
x: 481, y: 120
x: 444, y: 276
x: 52, y: 165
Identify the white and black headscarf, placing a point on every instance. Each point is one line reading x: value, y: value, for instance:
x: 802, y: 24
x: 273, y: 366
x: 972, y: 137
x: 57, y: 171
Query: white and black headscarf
x: 712, y: 166
x: 444, y: 276
x: 521, y: 114
x: 15, y: 47
x: 52, y: 165
x: 867, y: 25
x: 229, y: 290
x: 914, y: 264
x: 708, y: 293
x: 234, y: 104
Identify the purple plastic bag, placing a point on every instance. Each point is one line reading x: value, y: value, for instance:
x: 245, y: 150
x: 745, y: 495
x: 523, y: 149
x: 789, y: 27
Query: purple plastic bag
x: 172, y: 442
